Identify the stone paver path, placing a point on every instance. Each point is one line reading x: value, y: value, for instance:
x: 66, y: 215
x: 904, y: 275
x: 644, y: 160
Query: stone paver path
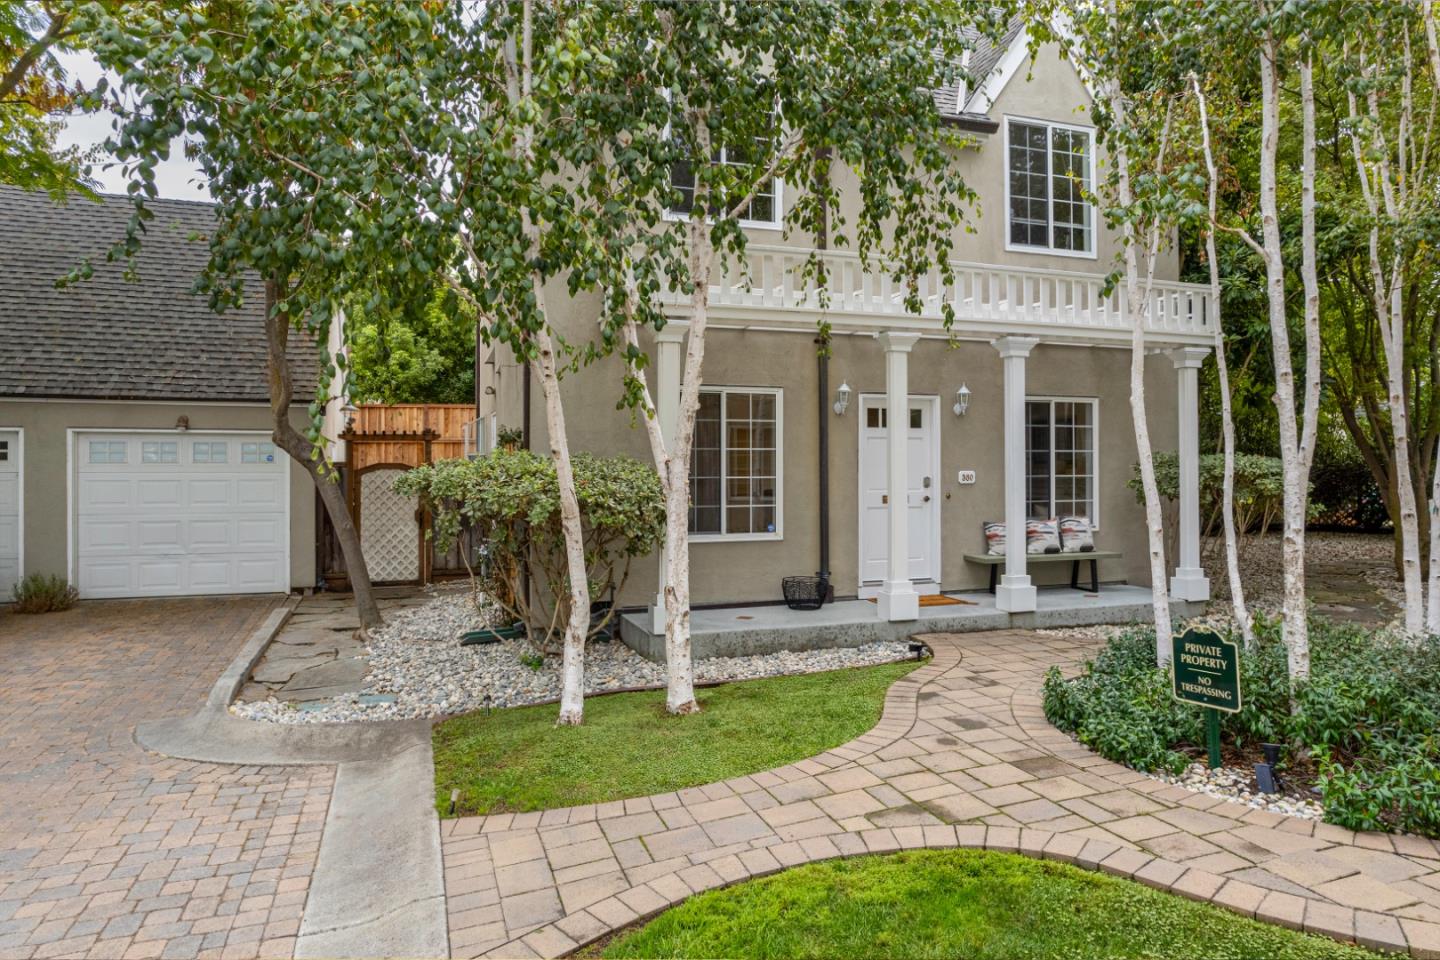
x: 962, y: 757
x: 109, y: 851
x: 316, y: 655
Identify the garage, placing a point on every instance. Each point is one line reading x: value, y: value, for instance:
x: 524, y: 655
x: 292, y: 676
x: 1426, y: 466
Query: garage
x: 9, y: 512
x: 174, y: 513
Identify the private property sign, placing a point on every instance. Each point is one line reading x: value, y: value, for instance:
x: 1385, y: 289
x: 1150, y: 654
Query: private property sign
x: 1206, y: 670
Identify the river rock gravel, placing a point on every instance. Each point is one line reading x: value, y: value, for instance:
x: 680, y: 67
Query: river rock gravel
x: 1237, y: 785
x: 417, y: 669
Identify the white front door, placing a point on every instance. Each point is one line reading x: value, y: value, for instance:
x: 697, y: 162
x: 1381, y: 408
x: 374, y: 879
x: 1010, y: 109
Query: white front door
x: 9, y: 512
x: 922, y: 500
x: 173, y: 514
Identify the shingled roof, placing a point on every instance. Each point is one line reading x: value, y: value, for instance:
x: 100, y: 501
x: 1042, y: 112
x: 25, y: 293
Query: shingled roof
x: 115, y: 339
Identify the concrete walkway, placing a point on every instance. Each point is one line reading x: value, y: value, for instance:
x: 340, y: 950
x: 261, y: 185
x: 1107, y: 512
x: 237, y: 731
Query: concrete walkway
x: 963, y: 756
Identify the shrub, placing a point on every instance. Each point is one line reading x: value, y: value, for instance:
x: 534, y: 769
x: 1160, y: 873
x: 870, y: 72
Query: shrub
x: 1369, y: 718
x: 44, y: 593
x: 510, y: 499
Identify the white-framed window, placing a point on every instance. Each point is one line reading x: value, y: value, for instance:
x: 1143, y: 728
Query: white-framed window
x: 262, y: 452
x: 736, y: 468
x: 4, y: 451
x: 1060, y: 458
x: 160, y: 451
x: 764, y: 208
x: 107, y: 451
x: 213, y: 451
x: 1050, y: 167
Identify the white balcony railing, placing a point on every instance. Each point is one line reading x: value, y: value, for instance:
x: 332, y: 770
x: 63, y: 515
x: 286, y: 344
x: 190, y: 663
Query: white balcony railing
x: 986, y: 296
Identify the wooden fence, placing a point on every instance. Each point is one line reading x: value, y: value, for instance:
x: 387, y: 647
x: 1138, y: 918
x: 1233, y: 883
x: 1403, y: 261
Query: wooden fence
x: 385, y: 439
x: 394, y: 433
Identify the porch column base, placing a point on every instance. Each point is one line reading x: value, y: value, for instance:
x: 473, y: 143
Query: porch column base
x: 1190, y: 583
x: 898, y: 601
x: 1015, y: 594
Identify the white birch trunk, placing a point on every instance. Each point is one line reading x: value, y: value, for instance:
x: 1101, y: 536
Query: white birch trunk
x: 1296, y: 627
x: 1432, y: 610
x: 1222, y: 368
x: 1137, y: 299
x: 1387, y: 193
x: 572, y: 690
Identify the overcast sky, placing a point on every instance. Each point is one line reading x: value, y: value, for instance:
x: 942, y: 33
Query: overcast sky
x: 177, y: 178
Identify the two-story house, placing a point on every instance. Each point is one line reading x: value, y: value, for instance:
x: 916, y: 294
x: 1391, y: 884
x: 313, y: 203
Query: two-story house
x: 1021, y: 410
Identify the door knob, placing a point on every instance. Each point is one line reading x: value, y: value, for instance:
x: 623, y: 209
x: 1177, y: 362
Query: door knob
x: 927, y: 498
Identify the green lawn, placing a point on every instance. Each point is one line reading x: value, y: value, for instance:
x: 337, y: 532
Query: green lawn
x: 958, y: 904
x: 517, y: 759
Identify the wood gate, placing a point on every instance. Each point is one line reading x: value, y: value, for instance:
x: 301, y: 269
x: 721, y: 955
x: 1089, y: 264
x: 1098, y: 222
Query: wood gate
x: 381, y: 443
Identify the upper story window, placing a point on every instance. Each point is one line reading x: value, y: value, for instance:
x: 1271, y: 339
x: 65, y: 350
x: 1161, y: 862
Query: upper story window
x: 1050, y: 168
x: 762, y: 211
x: 1060, y: 455
x: 735, y: 467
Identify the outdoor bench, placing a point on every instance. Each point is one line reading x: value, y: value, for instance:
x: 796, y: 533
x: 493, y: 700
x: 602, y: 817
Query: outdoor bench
x: 995, y: 562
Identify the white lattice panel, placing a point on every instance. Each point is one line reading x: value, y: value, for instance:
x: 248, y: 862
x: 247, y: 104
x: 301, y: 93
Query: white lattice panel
x: 389, y: 532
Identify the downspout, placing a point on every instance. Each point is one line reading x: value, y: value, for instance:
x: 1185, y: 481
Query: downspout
x: 822, y: 242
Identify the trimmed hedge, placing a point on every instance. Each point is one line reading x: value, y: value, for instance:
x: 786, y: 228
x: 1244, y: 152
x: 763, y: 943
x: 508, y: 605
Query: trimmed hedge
x: 1368, y: 719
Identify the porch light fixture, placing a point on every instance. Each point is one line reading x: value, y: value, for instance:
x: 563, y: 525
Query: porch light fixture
x: 962, y: 400
x: 842, y: 399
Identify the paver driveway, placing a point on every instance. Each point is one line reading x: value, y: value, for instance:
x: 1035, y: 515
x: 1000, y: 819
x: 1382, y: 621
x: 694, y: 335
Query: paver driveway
x: 109, y: 851
x: 962, y: 757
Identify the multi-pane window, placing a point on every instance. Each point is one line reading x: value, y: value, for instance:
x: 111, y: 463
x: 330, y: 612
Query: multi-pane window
x: 4, y: 451
x: 107, y: 451
x: 1049, y: 169
x: 1060, y: 459
x: 764, y: 207
x: 257, y: 452
x: 159, y: 451
x: 735, y: 463
x: 209, y: 452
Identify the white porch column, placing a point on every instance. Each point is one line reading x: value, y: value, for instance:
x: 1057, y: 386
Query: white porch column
x: 1015, y: 594
x: 669, y: 359
x: 898, y: 599
x: 1189, y: 582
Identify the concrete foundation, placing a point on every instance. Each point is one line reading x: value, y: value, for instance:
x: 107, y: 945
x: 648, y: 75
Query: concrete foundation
x: 747, y: 631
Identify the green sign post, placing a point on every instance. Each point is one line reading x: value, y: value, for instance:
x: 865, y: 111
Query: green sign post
x: 1205, y: 671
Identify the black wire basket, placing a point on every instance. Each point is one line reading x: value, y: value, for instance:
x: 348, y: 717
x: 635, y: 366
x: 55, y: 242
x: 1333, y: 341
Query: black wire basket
x: 805, y: 593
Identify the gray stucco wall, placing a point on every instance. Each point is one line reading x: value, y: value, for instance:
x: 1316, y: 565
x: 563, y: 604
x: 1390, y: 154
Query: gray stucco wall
x: 45, y: 424
x: 751, y: 570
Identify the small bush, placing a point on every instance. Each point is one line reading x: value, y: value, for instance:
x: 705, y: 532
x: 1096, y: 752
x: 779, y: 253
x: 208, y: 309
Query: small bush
x: 1368, y: 720
x: 44, y: 593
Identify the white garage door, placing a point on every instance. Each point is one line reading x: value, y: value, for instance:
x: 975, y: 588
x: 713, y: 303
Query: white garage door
x: 168, y: 514
x: 9, y: 512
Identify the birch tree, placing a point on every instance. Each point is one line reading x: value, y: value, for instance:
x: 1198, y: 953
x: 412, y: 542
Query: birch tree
x: 1391, y: 147
x: 1222, y: 366
x: 1145, y: 194
x: 732, y: 99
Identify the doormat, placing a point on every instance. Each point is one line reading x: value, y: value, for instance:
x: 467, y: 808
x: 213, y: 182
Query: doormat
x: 938, y: 600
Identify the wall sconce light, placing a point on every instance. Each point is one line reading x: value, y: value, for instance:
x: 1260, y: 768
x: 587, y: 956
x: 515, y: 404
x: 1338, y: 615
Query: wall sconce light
x: 962, y: 400
x: 349, y: 410
x: 182, y: 423
x: 842, y: 399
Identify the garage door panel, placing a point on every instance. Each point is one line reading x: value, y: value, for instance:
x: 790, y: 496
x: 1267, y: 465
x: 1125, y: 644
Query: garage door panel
x: 101, y: 535
x: 258, y: 533
x: 189, y: 524
x: 207, y: 493
x: 159, y: 574
x: 164, y: 535
x: 210, y: 534
x: 9, y: 511
x: 106, y: 492
x: 257, y: 492
x: 256, y: 571
x: 158, y: 493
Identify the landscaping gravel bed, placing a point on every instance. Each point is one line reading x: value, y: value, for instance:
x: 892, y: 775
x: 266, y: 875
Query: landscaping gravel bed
x: 1237, y: 785
x: 417, y: 669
